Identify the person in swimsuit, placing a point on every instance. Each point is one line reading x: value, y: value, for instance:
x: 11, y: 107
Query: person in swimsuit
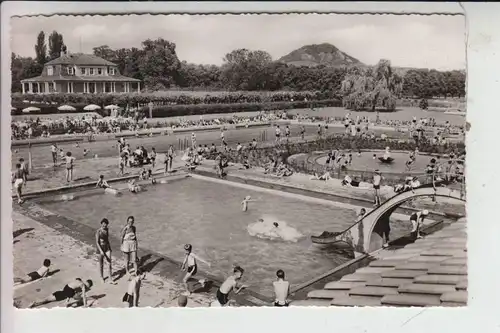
x: 53, y: 149
x: 417, y: 219
x: 190, y: 265
x: 101, y: 183
x: 377, y: 178
x: 104, y: 248
x: 281, y: 289
x: 69, y: 166
x: 129, y: 244
x: 18, y: 180
x: 302, y: 132
x: 287, y: 132
x: 245, y: 202
x: 319, y: 130
x: 35, y: 275
x: 70, y: 291
x: 131, y: 297
x: 231, y: 283
x: 133, y: 187
x: 222, y: 138
x: 152, y: 157
x: 278, y: 133
x: 193, y: 140
x: 170, y: 159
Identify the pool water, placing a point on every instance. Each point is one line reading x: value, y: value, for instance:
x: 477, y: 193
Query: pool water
x: 368, y: 163
x: 208, y: 215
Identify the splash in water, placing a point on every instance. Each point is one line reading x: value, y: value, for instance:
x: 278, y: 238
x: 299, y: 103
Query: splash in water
x: 273, y: 229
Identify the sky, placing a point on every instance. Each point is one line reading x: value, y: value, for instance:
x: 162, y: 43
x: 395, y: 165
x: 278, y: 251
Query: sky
x: 436, y: 41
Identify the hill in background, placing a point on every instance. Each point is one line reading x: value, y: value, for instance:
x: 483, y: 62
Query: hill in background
x: 320, y: 54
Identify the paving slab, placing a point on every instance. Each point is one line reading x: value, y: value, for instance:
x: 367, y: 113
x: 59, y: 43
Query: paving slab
x: 411, y: 300
x: 327, y: 294
x: 451, y: 247
x: 453, y: 304
x: 462, y: 285
x: 448, y: 270
x: 440, y: 279
x: 426, y: 289
x: 429, y: 259
x: 311, y: 302
x: 419, y: 266
x: 455, y: 296
x: 403, y: 274
x: 454, y: 262
x: 373, y: 270
x: 359, y: 277
x: 387, y: 282
x: 373, y: 291
x: 343, y: 285
x: 357, y: 301
x: 438, y: 252
x: 386, y: 263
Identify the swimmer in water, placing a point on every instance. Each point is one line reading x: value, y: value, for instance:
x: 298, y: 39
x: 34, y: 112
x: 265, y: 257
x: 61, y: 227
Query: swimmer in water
x: 190, y: 265
x: 85, y: 152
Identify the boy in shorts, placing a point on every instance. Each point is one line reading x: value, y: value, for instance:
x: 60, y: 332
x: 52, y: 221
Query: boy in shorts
x: 71, y: 291
x: 131, y: 297
x: 231, y: 283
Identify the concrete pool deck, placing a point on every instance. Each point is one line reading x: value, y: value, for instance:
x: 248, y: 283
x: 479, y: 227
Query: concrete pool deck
x: 432, y: 271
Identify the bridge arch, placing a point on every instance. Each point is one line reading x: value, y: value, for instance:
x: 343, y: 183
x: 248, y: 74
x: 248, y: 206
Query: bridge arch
x: 360, y: 234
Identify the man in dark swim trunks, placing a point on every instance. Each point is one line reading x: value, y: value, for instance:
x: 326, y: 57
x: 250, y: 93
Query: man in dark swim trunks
x: 71, y: 291
x: 104, y: 248
x: 231, y: 283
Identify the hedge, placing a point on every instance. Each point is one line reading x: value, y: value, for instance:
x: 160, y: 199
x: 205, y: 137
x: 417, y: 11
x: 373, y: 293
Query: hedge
x: 142, y: 99
x: 194, y: 109
x: 201, y: 109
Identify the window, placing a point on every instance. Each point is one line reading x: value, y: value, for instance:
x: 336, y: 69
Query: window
x: 111, y: 71
x: 71, y: 70
x: 99, y: 71
x: 70, y: 87
x: 50, y: 70
x: 91, y: 71
x: 84, y: 71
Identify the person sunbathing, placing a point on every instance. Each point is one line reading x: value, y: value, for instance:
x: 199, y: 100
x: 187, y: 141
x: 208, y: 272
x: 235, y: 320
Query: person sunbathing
x: 347, y: 181
x: 326, y: 176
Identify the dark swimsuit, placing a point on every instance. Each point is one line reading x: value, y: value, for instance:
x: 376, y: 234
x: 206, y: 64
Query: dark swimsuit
x: 103, y: 239
x: 66, y: 293
x: 34, y: 276
x: 222, y: 298
x: 192, y: 269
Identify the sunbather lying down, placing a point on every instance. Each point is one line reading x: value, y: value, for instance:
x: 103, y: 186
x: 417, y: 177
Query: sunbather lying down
x: 325, y: 176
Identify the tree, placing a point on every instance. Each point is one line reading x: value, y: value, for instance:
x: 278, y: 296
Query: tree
x: 105, y: 52
x: 22, y: 68
x: 56, y: 45
x: 372, y: 87
x: 159, y: 64
x: 41, y: 49
x: 242, y: 68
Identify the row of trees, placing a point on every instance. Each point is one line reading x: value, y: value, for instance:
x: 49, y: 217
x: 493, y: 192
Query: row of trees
x: 157, y: 65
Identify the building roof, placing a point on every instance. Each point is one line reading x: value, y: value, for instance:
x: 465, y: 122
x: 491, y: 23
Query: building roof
x: 89, y: 78
x: 430, y: 272
x: 80, y: 59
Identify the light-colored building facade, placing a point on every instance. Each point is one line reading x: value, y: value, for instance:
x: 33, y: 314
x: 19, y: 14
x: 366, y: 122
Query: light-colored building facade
x: 80, y: 73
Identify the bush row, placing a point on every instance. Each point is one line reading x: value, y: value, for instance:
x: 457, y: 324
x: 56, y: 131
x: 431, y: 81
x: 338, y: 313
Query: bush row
x: 196, y: 109
x: 201, y: 109
x: 135, y: 99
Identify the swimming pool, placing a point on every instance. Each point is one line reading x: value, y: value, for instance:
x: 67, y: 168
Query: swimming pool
x: 208, y: 215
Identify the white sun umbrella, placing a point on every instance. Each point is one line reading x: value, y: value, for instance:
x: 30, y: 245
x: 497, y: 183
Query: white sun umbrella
x: 66, y: 108
x: 91, y: 107
x: 111, y: 107
x: 31, y: 109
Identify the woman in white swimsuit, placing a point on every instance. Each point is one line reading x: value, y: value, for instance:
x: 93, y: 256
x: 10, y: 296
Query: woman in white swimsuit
x: 129, y: 244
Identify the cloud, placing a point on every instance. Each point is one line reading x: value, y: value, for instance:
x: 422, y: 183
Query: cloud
x: 411, y: 41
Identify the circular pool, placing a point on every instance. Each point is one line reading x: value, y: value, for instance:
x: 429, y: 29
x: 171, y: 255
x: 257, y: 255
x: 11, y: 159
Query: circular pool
x: 367, y: 162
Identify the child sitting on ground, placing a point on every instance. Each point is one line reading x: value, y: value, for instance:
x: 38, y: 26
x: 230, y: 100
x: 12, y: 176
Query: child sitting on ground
x: 101, y: 183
